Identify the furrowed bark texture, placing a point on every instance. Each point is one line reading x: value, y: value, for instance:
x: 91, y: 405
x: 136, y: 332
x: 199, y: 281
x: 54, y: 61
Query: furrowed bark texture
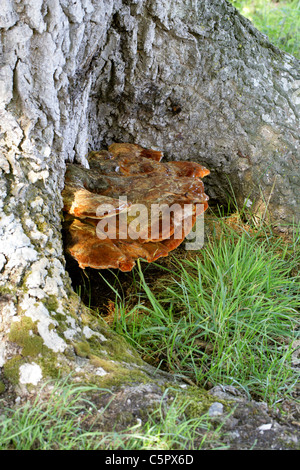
x: 193, y: 79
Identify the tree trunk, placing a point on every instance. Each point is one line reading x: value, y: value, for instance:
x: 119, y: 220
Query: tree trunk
x: 193, y: 79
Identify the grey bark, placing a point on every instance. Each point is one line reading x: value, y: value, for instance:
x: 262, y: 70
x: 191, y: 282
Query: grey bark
x: 193, y: 79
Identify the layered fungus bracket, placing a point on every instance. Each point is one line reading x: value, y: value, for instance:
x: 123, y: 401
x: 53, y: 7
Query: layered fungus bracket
x: 130, y: 205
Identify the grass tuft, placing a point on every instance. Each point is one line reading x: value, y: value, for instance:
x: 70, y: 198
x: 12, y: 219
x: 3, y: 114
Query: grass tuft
x: 228, y: 314
x: 69, y: 420
x: 280, y: 21
x: 53, y: 424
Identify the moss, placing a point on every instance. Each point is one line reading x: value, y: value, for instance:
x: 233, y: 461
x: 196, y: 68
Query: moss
x: 50, y: 367
x: 18, y: 329
x: 24, y: 333
x: 86, y: 318
x: 7, y: 290
x: 108, y: 366
x: 82, y: 349
x: 72, y: 303
x: 42, y: 227
x: 124, y: 419
x: 69, y: 353
x: 197, y: 400
x: 2, y: 387
x: 11, y: 369
x: 51, y: 303
x: 117, y: 348
x: 60, y: 318
x: 33, y: 346
x: 124, y: 377
x: 60, y: 323
x: 122, y: 352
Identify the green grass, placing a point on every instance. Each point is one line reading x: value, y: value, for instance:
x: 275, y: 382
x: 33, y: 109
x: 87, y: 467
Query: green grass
x: 56, y: 423
x: 69, y: 420
x: 167, y: 428
x: 228, y: 314
x: 280, y: 21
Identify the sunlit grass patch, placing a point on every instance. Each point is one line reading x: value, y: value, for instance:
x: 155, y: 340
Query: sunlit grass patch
x: 228, y: 314
x: 70, y: 420
x: 280, y: 21
x: 49, y: 424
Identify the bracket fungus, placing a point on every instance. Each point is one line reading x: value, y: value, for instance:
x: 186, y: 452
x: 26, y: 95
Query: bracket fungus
x: 130, y: 205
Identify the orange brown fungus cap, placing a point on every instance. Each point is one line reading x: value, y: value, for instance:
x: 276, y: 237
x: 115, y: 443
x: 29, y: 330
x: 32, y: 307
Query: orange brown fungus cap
x: 118, y: 193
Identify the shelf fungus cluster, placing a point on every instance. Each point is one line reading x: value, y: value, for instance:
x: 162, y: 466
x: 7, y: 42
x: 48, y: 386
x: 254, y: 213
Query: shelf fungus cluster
x: 130, y: 205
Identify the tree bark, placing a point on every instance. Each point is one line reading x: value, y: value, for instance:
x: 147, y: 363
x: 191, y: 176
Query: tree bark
x: 193, y: 79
